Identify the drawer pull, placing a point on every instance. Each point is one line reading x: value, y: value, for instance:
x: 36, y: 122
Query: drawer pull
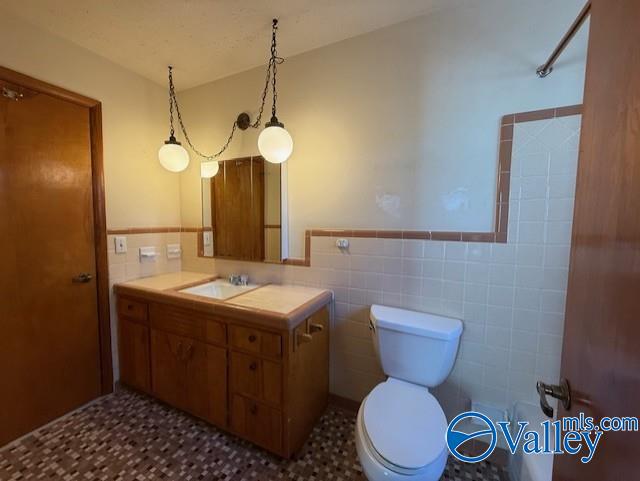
x: 253, y: 366
x: 315, y: 328
x: 304, y: 338
x: 130, y: 307
x: 252, y: 338
x: 253, y: 409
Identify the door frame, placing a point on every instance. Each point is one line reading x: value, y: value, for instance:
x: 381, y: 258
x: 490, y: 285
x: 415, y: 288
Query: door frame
x: 22, y: 81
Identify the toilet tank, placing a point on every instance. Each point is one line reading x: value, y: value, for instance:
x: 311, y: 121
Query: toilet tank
x: 415, y: 346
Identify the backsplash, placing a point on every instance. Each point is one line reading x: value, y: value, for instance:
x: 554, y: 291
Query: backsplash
x: 127, y: 266
x: 510, y: 296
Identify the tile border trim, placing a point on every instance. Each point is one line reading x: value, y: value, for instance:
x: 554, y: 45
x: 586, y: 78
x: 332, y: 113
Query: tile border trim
x: 499, y: 234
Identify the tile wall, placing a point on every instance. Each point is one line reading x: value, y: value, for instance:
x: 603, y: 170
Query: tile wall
x: 510, y: 296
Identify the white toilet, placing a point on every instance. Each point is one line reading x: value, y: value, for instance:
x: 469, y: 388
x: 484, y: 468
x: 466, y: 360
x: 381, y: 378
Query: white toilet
x: 400, y: 431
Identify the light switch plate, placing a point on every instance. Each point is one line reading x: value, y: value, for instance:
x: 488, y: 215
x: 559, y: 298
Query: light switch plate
x: 121, y: 244
x: 207, y: 237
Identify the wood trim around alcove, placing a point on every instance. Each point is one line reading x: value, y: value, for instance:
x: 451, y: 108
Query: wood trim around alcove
x: 22, y: 81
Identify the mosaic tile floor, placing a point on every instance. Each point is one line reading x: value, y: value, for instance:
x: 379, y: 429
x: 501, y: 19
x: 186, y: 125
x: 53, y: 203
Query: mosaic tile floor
x: 127, y: 437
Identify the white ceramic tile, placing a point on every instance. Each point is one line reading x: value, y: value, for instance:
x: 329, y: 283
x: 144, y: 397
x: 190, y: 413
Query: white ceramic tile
x: 532, y: 210
x: 534, y: 164
x: 392, y: 265
x: 476, y: 293
x: 479, y: 252
x: 533, y: 188
x: 412, y: 267
x: 432, y: 269
x: 530, y: 255
x: 455, y: 251
x: 562, y: 186
x: 452, y: 291
x: 454, y: 271
x: 412, y: 248
x: 477, y: 273
x: 434, y: 250
x: 500, y: 296
x: 501, y: 274
x: 526, y: 319
x: 555, y: 279
x: 530, y: 277
x: 531, y: 232
x: 553, y: 301
x: 527, y: 298
x: 503, y: 253
x: 499, y: 315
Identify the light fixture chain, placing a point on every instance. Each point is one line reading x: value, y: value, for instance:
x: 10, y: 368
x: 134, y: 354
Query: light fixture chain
x: 270, y: 78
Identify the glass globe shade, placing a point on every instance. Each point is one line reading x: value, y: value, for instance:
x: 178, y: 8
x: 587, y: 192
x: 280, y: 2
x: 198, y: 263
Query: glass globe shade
x: 173, y: 157
x: 275, y: 144
x: 209, y: 169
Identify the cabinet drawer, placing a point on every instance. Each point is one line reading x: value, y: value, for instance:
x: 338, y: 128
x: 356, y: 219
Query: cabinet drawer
x: 256, y: 341
x: 256, y: 378
x: 257, y: 422
x: 187, y: 323
x: 132, y: 309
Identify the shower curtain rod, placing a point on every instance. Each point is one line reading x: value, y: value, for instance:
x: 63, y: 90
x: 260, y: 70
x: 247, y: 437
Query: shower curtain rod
x: 546, y: 68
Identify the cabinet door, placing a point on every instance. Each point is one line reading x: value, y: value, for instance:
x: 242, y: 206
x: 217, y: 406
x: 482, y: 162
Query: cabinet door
x: 167, y: 368
x: 257, y: 422
x: 133, y: 347
x: 206, y: 382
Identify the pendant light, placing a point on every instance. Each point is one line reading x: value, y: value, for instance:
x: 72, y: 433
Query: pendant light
x: 209, y: 169
x: 172, y: 154
x: 274, y: 142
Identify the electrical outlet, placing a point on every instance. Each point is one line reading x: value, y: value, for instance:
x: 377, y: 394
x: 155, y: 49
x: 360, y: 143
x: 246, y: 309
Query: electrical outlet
x: 121, y: 244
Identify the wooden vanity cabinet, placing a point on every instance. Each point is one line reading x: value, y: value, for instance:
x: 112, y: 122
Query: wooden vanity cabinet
x: 133, y: 342
x: 265, y: 385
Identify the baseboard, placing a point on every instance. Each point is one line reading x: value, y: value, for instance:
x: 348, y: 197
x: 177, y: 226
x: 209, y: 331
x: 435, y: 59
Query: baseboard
x: 344, y: 403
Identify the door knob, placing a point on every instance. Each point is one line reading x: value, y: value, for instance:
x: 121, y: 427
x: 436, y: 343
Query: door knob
x: 561, y: 392
x: 82, y: 278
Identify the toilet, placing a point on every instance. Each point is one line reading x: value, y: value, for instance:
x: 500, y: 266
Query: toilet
x: 400, y: 429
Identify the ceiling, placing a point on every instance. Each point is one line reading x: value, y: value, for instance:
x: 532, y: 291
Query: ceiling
x: 209, y: 39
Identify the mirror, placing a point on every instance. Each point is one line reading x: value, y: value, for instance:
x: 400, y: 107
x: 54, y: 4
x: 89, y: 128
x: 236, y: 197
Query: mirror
x: 242, y: 211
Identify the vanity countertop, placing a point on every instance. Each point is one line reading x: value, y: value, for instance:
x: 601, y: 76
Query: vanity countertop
x: 273, y: 305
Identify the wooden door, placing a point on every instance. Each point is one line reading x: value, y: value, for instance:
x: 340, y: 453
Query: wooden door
x: 238, y: 209
x: 49, y: 344
x: 601, y: 358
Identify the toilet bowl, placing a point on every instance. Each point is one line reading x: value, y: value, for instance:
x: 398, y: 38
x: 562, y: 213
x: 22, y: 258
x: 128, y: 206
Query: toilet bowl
x: 400, y: 429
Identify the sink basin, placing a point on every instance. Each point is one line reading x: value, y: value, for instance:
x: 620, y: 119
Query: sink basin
x: 218, y: 289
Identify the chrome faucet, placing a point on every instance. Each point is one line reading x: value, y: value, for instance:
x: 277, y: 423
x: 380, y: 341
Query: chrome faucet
x: 239, y: 279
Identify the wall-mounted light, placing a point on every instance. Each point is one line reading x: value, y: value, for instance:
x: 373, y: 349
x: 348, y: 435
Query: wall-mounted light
x: 274, y: 143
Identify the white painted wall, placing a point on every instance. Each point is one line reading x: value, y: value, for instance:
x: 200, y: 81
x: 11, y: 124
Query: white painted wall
x: 139, y: 192
x: 399, y: 128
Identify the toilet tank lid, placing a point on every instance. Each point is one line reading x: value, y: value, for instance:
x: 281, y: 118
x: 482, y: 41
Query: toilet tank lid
x: 417, y: 323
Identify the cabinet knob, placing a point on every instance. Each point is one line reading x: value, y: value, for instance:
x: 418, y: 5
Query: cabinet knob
x: 252, y: 338
x: 253, y: 409
x: 253, y: 366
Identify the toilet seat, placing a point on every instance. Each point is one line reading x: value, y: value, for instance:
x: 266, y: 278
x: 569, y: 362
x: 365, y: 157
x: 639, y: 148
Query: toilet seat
x: 404, y: 426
